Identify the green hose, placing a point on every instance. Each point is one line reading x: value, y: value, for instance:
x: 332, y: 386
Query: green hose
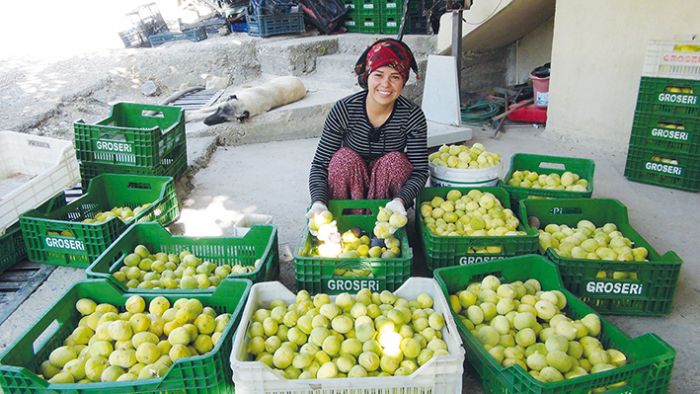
x: 480, y: 112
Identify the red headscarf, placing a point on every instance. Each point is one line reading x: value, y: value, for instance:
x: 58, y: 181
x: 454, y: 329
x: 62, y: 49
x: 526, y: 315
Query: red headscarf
x: 387, y: 52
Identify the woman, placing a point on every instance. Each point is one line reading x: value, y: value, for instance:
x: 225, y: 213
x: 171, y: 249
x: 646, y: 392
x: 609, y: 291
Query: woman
x: 374, y: 142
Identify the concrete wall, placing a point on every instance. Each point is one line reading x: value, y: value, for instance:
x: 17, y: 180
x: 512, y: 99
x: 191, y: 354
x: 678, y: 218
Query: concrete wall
x: 597, y: 57
x: 480, y: 12
x: 535, y: 49
x: 505, y: 50
x: 507, y: 65
x: 484, y: 69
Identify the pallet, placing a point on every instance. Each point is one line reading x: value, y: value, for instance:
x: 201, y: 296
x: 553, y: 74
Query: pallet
x: 197, y: 100
x: 18, y: 282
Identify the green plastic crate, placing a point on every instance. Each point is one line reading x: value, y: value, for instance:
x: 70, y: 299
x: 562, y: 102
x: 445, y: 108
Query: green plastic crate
x: 352, y: 24
x: 207, y: 373
x: 542, y: 164
x: 650, y: 359
x: 651, y: 294
x: 669, y: 96
x: 12, y: 248
x: 318, y: 274
x: 138, y: 135
x: 670, y: 133
x: 352, y: 18
x: 89, y: 240
x: 373, y: 7
x: 259, y: 243
x: 442, y: 251
x: 369, y: 23
x: 172, y: 164
x: 641, y: 167
x: 390, y: 23
x: 415, y: 7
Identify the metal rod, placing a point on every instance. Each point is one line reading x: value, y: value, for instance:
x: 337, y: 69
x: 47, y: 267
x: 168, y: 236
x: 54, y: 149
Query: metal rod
x: 457, y: 43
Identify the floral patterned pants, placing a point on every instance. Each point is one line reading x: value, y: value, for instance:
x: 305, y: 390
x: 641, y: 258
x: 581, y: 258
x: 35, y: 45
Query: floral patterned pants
x: 350, y: 178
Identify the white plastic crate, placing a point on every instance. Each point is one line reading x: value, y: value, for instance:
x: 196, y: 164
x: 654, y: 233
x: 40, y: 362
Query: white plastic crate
x: 678, y: 59
x: 249, y: 220
x: 442, y: 374
x: 33, y: 169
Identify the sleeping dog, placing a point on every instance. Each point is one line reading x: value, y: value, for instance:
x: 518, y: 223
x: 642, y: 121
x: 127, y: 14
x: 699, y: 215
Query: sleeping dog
x: 248, y: 102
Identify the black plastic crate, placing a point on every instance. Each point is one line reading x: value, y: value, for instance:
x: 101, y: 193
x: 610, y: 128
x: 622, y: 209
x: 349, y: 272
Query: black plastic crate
x: 194, y: 35
x: 274, y: 24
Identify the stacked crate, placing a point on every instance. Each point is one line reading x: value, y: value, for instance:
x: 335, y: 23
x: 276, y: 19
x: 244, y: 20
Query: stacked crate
x: 34, y: 171
x: 390, y: 16
x: 664, y: 146
x: 137, y: 139
x: 353, y: 17
x: 367, y: 16
x: 384, y: 16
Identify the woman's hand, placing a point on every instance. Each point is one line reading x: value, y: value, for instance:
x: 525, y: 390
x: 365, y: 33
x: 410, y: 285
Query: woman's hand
x: 316, y: 208
x: 396, y: 206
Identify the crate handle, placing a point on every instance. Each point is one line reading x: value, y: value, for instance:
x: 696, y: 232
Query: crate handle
x: 666, y: 124
x: 357, y: 212
x: 533, y: 220
x: 352, y: 265
x: 552, y: 166
x: 118, y: 261
x: 140, y: 185
x: 152, y: 114
x: 49, y: 332
x: 39, y: 144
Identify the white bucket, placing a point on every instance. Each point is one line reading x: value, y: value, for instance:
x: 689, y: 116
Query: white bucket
x: 458, y: 177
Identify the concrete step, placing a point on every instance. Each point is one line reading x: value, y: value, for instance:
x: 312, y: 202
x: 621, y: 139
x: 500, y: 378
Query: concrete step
x: 342, y: 65
x: 339, y: 69
x: 339, y: 66
x: 294, y: 57
x: 302, y: 119
x: 327, y: 72
x: 356, y: 43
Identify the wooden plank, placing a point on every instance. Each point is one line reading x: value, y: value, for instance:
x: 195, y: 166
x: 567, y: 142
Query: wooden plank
x: 10, y: 287
x: 25, y: 265
x: 14, y: 293
x: 197, y: 100
x: 193, y: 102
x: 214, y: 97
x: 18, y: 276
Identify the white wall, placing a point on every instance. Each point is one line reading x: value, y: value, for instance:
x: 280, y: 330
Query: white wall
x: 597, y: 56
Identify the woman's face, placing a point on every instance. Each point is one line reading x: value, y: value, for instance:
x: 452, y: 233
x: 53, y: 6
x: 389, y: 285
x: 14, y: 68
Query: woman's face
x: 384, y: 85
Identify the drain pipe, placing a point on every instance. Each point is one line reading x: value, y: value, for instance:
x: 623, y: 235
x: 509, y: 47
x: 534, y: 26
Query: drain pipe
x: 457, y: 42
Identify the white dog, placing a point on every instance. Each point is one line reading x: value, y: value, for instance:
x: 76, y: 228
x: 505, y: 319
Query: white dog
x: 248, y: 102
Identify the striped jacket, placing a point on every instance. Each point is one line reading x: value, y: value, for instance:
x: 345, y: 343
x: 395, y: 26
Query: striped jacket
x: 348, y: 125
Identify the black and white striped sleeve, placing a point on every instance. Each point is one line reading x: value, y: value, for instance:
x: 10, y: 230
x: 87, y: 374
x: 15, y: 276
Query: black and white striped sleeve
x: 417, y: 153
x: 331, y: 140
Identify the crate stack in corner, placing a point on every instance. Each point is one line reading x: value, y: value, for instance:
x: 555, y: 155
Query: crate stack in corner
x: 664, y: 146
x: 384, y: 16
